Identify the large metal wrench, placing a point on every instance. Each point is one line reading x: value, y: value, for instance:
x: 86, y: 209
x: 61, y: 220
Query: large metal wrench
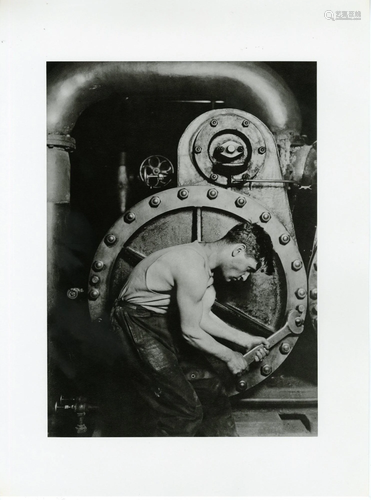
x: 294, y: 325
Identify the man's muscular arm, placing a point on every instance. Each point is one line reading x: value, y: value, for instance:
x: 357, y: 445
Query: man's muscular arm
x: 217, y: 328
x: 191, y: 284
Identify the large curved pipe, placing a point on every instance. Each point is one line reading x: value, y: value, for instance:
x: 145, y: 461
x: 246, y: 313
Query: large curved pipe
x: 73, y: 87
x: 252, y: 87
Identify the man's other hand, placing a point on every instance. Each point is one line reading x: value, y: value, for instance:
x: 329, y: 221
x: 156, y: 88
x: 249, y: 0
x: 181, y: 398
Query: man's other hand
x: 237, y: 363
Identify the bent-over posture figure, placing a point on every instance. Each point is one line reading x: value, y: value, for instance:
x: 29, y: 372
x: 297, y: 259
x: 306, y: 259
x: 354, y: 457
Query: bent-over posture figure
x: 164, y: 320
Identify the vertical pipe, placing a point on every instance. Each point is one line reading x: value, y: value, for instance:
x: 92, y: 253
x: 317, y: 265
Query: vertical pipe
x: 58, y: 197
x: 199, y: 223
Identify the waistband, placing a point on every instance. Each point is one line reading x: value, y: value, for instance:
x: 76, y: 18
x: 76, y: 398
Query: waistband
x: 135, y: 308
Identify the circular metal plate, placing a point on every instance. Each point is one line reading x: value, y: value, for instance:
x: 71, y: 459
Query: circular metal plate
x: 149, y: 226
x: 228, y: 131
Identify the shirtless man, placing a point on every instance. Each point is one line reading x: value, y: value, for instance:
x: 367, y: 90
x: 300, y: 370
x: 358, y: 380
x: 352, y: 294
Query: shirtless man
x: 164, y: 320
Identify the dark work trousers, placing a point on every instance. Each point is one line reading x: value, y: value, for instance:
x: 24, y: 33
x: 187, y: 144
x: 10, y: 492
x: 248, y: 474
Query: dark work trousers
x: 186, y: 396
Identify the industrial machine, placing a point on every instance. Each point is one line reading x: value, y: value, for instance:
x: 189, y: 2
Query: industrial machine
x: 143, y: 156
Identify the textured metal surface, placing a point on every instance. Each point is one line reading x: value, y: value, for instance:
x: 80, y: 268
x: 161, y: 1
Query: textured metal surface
x: 72, y: 87
x: 228, y: 149
x: 200, y: 168
x: 152, y: 228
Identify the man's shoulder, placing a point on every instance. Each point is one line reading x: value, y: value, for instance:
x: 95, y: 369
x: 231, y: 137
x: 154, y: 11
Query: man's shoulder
x: 184, y: 259
x: 187, y: 252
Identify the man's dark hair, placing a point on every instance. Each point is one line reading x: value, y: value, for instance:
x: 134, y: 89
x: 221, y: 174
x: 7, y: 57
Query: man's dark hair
x: 258, y: 243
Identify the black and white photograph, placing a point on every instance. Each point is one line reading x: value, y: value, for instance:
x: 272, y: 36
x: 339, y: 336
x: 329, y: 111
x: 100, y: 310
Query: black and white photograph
x: 182, y: 249
x: 185, y: 217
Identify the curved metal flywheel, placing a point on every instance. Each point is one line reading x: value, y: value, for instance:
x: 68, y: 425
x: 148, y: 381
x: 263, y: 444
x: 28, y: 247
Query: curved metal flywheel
x: 156, y: 171
x: 271, y: 306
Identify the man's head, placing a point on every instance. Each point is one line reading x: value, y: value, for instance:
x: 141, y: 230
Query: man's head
x: 246, y: 248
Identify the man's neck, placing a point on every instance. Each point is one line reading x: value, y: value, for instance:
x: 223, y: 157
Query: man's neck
x: 214, y: 253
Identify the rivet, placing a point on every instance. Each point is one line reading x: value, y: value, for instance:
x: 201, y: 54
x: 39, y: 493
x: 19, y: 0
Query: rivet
x: 240, y: 149
x: 214, y: 123
x: 220, y: 149
x: 129, y: 217
x: 301, y: 293
x: 212, y: 194
x: 94, y: 280
x: 265, y: 217
x: 261, y: 150
x: 285, y: 348
x: 245, y: 123
x: 155, y: 201
x: 183, y: 194
x: 300, y: 308
x: 299, y: 322
x: 297, y: 265
x: 214, y: 177
x: 110, y: 239
x: 313, y: 294
x: 193, y: 375
x: 241, y: 385
x: 284, y: 239
x: 241, y: 201
x: 266, y: 370
x: 245, y: 177
x: 94, y: 294
x: 98, y: 265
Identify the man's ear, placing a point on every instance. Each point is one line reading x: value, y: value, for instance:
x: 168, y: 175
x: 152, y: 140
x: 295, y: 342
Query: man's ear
x: 240, y: 247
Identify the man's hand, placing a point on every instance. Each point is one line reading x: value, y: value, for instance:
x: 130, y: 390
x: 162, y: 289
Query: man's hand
x: 250, y: 341
x: 237, y: 364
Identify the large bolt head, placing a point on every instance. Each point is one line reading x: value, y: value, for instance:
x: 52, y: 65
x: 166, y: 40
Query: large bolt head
x: 110, y: 239
x: 212, y: 194
x: 299, y: 322
x: 214, y: 177
x: 301, y: 293
x: 300, y: 308
x: 98, y: 265
x: 241, y: 201
x: 129, y: 217
x: 155, y: 201
x: 265, y: 217
x: 214, y: 123
x: 245, y: 123
x: 284, y: 239
x: 183, y: 193
x: 241, y: 385
x: 285, y: 348
x: 261, y: 150
x: 94, y: 280
x: 266, y: 370
x: 297, y: 265
x: 94, y: 294
x: 313, y: 294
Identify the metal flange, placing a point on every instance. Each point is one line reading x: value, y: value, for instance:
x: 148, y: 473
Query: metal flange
x: 226, y: 203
